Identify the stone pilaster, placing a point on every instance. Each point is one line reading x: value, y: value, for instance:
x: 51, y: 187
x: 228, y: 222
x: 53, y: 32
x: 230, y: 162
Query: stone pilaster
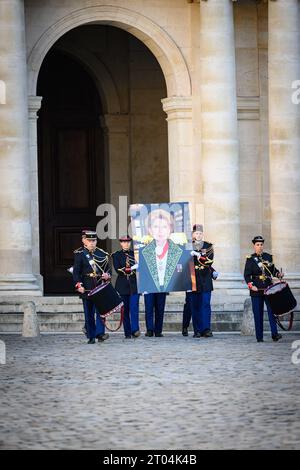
x: 181, y: 155
x: 220, y: 159
x: 34, y: 105
x: 118, y: 168
x: 284, y: 134
x: 16, y: 275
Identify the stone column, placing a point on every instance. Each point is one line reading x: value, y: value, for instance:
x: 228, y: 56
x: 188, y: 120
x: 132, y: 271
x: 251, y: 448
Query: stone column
x: 284, y: 134
x: 220, y: 158
x: 181, y: 155
x: 15, y: 236
x: 34, y: 105
x: 118, y: 169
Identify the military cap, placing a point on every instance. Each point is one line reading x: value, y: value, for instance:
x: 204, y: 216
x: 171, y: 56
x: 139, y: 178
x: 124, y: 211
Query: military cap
x: 84, y: 230
x: 258, y: 238
x: 198, y: 228
x: 90, y: 235
x: 125, y: 238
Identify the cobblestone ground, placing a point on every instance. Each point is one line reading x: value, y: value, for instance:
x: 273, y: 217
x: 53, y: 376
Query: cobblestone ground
x: 224, y: 392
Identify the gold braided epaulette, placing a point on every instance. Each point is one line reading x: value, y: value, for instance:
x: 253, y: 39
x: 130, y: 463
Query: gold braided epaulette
x: 102, y: 251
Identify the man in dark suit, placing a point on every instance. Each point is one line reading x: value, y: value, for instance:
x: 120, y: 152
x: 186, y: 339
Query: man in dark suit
x: 125, y: 266
x: 154, y: 313
x: 91, y: 266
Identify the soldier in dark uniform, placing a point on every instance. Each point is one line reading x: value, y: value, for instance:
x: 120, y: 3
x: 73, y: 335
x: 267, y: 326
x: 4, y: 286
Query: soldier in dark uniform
x: 259, y: 270
x: 197, y: 303
x: 154, y: 307
x: 125, y: 266
x: 91, y: 266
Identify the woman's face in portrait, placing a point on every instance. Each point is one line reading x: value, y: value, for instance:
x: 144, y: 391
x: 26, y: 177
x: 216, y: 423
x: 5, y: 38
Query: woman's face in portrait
x: 160, y: 230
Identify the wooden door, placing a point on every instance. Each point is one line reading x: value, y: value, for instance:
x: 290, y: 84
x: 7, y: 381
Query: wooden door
x: 71, y: 165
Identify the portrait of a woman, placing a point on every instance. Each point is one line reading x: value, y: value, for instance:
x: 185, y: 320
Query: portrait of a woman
x: 164, y: 266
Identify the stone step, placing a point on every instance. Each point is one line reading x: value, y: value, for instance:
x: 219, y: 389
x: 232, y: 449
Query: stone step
x: 73, y: 322
x: 172, y: 317
x: 76, y: 307
x: 222, y: 300
x: 238, y: 296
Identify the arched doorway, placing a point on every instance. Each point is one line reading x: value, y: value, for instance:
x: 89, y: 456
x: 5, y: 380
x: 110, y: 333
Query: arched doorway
x: 177, y: 105
x: 71, y: 165
x: 123, y: 138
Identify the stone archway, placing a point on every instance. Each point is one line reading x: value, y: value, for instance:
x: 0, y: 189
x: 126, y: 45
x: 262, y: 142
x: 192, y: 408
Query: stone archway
x: 177, y: 105
x: 153, y: 36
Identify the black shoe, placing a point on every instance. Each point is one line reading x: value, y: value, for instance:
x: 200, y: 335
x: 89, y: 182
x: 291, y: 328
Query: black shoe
x: 128, y: 337
x: 159, y: 335
x: 197, y: 335
x: 185, y: 332
x: 207, y: 334
x: 103, y: 337
x: 91, y: 341
x: 136, y: 334
x: 260, y: 340
x: 149, y: 333
x: 276, y: 337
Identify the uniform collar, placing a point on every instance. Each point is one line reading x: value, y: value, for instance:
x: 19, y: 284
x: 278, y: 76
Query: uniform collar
x: 89, y: 252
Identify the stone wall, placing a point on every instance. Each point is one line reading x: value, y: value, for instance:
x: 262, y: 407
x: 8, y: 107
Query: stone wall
x: 135, y: 81
x: 181, y: 21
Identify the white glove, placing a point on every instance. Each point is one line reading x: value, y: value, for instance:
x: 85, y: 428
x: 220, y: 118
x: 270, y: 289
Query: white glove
x: 134, y: 267
x: 195, y: 253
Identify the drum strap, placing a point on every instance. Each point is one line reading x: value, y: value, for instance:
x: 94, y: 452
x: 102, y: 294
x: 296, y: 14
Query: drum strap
x: 104, y: 320
x: 291, y: 320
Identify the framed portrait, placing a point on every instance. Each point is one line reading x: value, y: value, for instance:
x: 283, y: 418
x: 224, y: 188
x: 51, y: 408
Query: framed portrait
x: 162, y: 243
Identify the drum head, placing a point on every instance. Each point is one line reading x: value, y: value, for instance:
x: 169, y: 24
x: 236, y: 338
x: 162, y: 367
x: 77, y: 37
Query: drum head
x: 98, y: 289
x: 275, y: 288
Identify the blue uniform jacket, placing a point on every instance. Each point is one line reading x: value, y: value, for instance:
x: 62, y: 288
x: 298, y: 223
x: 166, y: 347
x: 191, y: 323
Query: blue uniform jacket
x: 125, y: 283
x: 203, y: 270
x: 259, y: 270
x: 87, y: 264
